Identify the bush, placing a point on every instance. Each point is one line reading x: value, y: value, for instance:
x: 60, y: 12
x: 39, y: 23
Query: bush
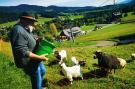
x: 125, y: 15
x: 49, y: 37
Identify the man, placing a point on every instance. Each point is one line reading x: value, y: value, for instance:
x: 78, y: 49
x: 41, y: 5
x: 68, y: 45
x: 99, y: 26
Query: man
x: 23, y: 44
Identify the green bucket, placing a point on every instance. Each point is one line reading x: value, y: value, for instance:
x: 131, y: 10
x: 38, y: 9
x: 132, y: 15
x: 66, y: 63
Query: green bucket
x: 44, y: 47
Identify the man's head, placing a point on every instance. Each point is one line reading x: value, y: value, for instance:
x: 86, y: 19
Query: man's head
x: 28, y: 21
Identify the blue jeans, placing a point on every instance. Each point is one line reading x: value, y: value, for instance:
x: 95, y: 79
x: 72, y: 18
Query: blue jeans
x: 36, y: 71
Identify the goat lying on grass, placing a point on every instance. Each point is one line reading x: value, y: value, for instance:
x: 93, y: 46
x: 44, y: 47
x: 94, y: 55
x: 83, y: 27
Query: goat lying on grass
x: 71, y: 72
x: 122, y: 62
x: 76, y: 62
x: 108, y: 62
x: 133, y: 56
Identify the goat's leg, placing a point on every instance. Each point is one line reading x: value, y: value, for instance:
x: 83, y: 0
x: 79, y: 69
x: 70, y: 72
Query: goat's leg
x: 70, y: 79
x: 81, y: 75
x: 110, y: 71
x: 114, y: 71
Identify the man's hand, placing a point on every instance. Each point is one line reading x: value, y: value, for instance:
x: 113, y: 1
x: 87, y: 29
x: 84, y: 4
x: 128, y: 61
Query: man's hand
x: 33, y: 56
x: 43, y: 57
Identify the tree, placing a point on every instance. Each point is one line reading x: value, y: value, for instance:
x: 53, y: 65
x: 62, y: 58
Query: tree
x: 36, y: 15
x: 125, y: 15
x: 53, y: 29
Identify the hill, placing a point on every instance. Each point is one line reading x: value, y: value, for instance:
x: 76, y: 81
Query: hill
x: 37, y: 9
x: 52, y: 8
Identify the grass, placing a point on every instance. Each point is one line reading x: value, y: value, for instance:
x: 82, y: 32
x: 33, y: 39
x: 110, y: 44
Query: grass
x: 109, y: 33
x: 112, y: 33
x: 5, y: 48
x: 8, y: 24
x: 89, y: 27
x: 13, y: 78
x: 10, y: 76
x: 75, y: 17
x: 74, y: 44
x: 129, y: 17
x: 41, y: 20
x: 122, y: 79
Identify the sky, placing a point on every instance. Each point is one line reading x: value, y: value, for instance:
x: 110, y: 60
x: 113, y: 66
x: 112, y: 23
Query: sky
x: 67, y: 3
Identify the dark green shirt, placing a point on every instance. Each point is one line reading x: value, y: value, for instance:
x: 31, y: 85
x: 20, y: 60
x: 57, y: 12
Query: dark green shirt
x: 22, y: 42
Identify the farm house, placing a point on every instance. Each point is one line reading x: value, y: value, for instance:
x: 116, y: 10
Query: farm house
x: 75, y: 31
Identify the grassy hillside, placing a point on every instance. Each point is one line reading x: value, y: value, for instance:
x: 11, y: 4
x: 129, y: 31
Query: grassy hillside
x: 109, y: 32
x: 41, y: 20
x: 89, y: 27
x: 8, y: 24
x: 122, y: 79
x: 129, y: 17
x: 5, y: 48
x: 10, y: 76
x: 114, y: 32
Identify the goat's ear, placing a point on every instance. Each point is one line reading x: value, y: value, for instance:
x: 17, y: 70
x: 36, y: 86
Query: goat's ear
x: 56, y: 52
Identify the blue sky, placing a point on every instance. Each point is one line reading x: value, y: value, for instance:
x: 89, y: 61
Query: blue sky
x: 59, y: 2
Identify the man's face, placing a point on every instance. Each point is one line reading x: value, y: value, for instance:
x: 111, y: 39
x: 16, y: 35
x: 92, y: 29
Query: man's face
x: 31, y: 28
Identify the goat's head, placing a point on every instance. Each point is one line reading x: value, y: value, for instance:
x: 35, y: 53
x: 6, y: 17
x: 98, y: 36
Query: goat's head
x: 82, y: 62
x: 57, y: 55
x: 97, y: 54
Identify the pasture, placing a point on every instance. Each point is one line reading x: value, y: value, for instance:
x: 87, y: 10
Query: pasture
x: 13, y: 78
x: 129, y: 17
x: 40, y: 20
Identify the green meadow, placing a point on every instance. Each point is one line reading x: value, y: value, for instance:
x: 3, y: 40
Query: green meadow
x: 129, y: 17
x: 40, y: 20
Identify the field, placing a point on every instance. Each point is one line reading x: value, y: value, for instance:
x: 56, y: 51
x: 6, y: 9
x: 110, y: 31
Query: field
x: 115, y: 32
x: 13, y: 78
x: 129, y: 17
x: 40, y: 20
x: 89, y: 27
x: 8, y: 24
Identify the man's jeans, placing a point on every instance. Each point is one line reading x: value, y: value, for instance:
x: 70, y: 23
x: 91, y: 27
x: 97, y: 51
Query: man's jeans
x: 36, y: 71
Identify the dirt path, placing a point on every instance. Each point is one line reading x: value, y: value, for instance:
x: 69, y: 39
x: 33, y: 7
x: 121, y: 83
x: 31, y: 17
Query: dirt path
x: 105, y: 43
x: 99, y: 44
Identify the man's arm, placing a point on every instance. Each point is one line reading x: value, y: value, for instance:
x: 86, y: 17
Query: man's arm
x: 20, y: 46
x: 33, y: 56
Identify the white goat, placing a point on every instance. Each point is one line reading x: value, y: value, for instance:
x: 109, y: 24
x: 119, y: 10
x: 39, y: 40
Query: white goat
x: 61, y: 55
x: 71, y: 72
x: 133, y: 56
x: 122, y: 62
x: 74, y: 61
